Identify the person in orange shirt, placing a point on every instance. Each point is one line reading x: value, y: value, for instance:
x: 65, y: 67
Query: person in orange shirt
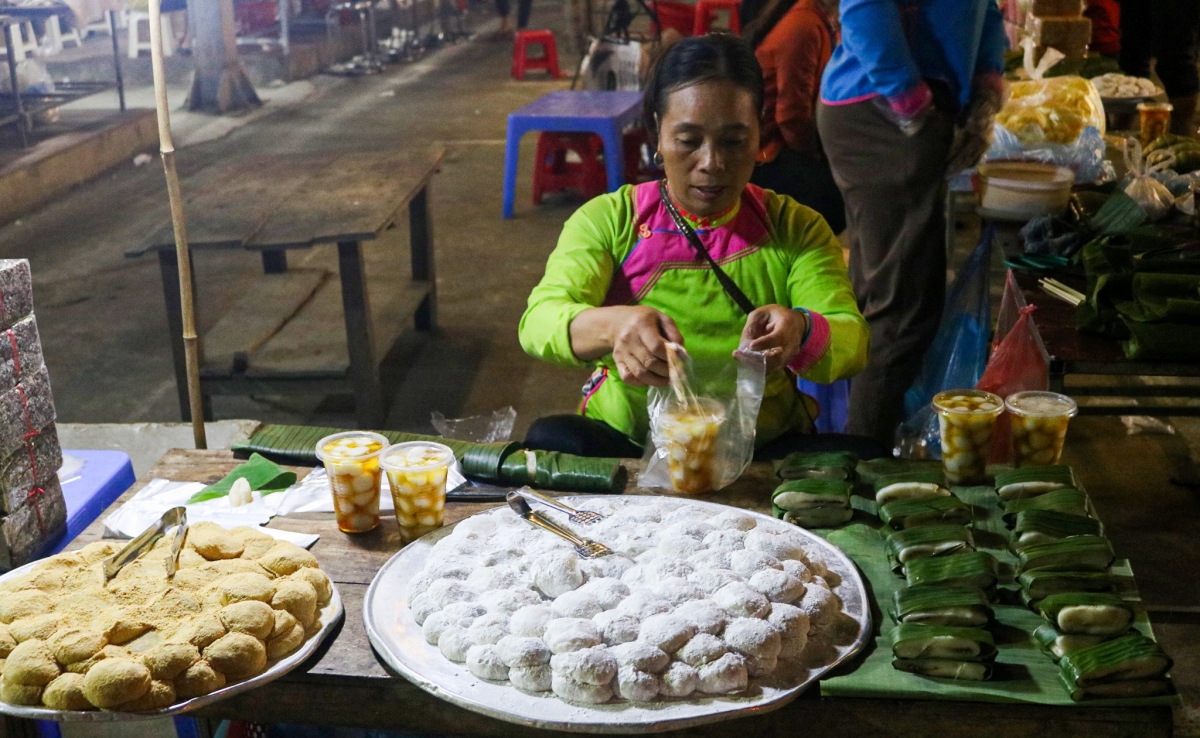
x: 793, y: 40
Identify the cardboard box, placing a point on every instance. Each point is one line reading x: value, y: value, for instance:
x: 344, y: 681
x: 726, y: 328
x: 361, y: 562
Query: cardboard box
x: 1049, y: 8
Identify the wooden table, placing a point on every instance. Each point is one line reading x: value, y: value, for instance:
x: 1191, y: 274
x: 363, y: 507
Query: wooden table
x: 1072, y: 352
x: 282, y: 336
x: 345, y: 684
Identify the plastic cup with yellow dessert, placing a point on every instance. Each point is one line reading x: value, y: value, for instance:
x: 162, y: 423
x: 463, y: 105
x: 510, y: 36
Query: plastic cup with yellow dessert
x: 417, y: 475
x: 967, y: 419
x: 352, y: 462
x: 1039, y: 426
x: 688, y: 437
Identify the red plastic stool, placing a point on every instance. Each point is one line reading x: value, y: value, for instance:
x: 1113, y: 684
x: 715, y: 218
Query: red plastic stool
x: 706, y: 11
x: 553, y: 173
x: 672, y: 14
x: 522, y: 61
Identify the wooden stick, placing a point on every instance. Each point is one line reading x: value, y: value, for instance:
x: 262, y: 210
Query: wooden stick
x: 166, y: 147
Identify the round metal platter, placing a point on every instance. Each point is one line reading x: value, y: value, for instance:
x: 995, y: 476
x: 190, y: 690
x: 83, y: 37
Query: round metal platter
x: 399, y: 641
x: 330, y: 616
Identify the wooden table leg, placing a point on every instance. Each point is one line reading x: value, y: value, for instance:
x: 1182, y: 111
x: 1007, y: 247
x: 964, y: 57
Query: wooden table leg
x: 420, y: 229
x: 364, y: 371
x: 168, y: 266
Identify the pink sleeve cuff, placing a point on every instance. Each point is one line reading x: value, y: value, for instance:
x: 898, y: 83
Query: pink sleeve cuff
x: 814, y: 348
x: 912, y: 101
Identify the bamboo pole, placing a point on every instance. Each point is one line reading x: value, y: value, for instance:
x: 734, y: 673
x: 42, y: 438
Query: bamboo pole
x: 166, y: 147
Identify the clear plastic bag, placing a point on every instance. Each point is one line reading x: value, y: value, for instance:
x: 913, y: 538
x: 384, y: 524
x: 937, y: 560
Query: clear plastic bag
x: 1151, y: 195
x: 491, y: 428
x: 1059, y: 120
x: 957, y: 356
x: 702, y: 428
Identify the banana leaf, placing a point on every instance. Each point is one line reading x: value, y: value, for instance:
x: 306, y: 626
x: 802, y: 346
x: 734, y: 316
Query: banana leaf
x: 1037, y: 585
x: 801, y: 494
x: 1087, y: 613
x: 1068, y: 500
x: 1056, y: 645
x: 1031, y: 481
x: 975, y: 569
x: 973, y: 671
x: 837, y: 465
x: 916, y: 641
x: 934, y: 511
x: 1124, y: 690
x: 941, y: 605
x: 1043, y: 526
x: 919, y: 485
x: 932, y: 540
x: 1130, y: 658
x: 554, y: 470
x: 1078, y: 553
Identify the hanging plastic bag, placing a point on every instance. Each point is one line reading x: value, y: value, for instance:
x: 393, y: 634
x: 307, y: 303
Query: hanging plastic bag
x: 1019, y: 363
x: 702, y: 426
x: 1056, y: 120
x: 1150, y: 194
x: 957, y: 356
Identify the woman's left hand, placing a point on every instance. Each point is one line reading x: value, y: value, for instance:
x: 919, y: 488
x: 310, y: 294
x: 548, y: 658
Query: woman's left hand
x: 777, y: 331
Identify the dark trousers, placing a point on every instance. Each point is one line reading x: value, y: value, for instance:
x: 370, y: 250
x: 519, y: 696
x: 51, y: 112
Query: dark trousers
x: 807, y: 180
x: 893, y: 187
x: 524, y: 7
x: 1164, y: 30
x: 575, y: 434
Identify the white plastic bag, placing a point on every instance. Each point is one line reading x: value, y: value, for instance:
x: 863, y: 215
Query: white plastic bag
x: 477, y: 428
x: 1152, y: 195
x: 702, y: 429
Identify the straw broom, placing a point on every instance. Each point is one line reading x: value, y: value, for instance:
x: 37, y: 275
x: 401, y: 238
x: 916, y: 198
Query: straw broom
x: 167, y: 148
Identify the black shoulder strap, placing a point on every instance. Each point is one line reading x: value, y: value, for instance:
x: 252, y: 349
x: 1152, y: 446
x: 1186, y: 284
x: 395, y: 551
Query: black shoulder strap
x: 727, y: 284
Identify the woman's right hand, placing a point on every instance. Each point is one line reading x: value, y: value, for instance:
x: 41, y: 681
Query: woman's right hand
x: 635, y: 335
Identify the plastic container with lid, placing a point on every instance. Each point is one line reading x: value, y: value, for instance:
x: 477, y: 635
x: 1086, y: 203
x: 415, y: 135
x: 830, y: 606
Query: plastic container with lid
x: 351, y: 461
x: 417, y: 475
x: 967, y: 419
x: 1021, y: 190
x: 1039, y: 426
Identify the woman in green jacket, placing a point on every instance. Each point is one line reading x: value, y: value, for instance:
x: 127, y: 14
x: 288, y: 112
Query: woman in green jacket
x: 624, y: 280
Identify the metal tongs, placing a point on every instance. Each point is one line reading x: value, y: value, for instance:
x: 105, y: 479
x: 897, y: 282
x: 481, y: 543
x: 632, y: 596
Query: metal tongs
x: 580, y: 517
x: 587, y: 548
x: 176, y: 518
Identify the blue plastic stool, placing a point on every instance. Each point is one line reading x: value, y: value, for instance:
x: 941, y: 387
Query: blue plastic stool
x: 835, y: 403
x: 184, y: 728
x: 602, y: 112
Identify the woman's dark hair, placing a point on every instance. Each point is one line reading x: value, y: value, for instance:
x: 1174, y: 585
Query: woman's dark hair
x: 766, y: 17
x: 699, y: 59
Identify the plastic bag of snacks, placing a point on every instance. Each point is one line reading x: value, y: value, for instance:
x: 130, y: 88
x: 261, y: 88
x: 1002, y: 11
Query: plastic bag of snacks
x: 702, y: 426
x: 1151, y: 195
x: 1056, y: 120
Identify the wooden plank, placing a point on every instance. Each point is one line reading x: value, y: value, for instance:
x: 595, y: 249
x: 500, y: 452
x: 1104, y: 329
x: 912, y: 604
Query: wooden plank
x: 352, y: 198
x: 346, y: 685
x: 314, y: 340
x: 228, y: 202
x: 258, y: 315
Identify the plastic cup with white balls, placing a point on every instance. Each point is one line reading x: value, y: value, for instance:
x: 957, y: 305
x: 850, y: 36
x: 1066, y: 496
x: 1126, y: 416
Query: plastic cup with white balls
x: 967, y: 420
x: 1039, y: 426
x: 417, y: 475
x: 352, y: 463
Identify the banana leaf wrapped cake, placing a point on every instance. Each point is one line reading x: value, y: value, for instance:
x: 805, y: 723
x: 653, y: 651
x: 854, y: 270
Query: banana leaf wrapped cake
x: 813, y: 503
x: 919, y: 485
x: 922, y: 542
x: 1087, y: 613
x: 976, y: 569
x: 964, y: 607
x: 836, y: 465
x: 1078, y: 553
x: 943, y: 651
x: 933, y: 511
x: 1067, y: 500
x: 1129, y: 666
x: 1039, y: 584
x: 1044, y: 526
x: 1032, y: 481
x: 1057, y: 644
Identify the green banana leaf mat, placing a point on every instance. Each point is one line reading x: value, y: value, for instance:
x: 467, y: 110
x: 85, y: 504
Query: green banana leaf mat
x: 1023, y: 673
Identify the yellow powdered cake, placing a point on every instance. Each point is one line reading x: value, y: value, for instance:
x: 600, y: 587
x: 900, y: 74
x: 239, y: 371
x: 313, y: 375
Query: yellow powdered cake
x: 72, y: 640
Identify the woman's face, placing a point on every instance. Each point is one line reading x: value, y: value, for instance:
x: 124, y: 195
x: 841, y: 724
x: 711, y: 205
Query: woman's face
x: 708, y: 139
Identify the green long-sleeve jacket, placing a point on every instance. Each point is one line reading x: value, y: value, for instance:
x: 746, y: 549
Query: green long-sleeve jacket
x: 622, y: 248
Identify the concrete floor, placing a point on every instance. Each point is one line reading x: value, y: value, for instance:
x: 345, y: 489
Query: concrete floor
x: 105, y: 340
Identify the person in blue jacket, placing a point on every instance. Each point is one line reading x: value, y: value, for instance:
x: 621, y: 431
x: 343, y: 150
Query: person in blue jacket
x: 907, y: 100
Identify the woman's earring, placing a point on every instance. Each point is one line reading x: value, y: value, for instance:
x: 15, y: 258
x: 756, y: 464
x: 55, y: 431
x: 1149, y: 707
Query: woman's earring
x: 658, y: 159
